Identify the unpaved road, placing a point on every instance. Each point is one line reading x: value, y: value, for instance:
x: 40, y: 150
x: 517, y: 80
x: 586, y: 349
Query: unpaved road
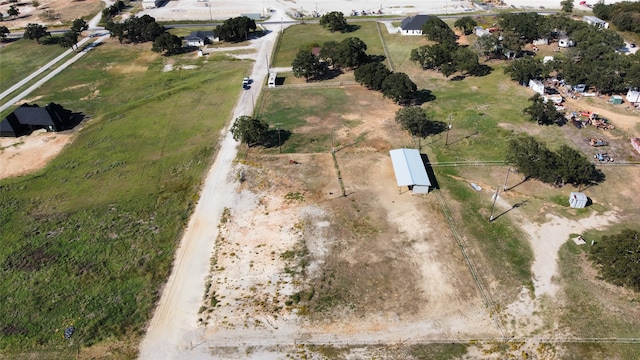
x: 174, y: 327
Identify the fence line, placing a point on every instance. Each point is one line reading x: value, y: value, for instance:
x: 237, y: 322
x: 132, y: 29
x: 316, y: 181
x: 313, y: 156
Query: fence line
x: 472, y: 267
x: 384, y: 46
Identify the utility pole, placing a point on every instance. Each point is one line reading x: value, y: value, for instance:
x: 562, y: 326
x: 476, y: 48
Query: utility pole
x: 504, y: 188
x: 446, y: 141
x: 495, y: 197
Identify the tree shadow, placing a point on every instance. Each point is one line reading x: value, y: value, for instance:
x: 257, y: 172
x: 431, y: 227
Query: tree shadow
x: 331, y: 73
x: 430, y: 173
x: 422, y: 96
x: 376, y: 58
x: 271, y: 140
x: 351, y: 28
x: 50, y: 40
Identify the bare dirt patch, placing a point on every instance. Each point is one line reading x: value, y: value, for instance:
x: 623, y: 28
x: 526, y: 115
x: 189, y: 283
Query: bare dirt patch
x: 26, y: 154
x: 65, y: 11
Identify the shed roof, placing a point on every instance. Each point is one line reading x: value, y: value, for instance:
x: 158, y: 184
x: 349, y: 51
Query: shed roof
x: 414, y: 22
x: 409, y: 168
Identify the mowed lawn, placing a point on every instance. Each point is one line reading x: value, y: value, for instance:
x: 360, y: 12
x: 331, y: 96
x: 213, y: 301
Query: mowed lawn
x: 89, y: 240
x: 308, y: 36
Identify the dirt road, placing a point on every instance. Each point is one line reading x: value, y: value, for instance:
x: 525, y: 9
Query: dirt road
x: 174, y: 329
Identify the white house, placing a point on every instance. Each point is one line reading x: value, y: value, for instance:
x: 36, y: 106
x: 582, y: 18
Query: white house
x: 537, y: 86
x: 200, y: 38
x: 413, y: 25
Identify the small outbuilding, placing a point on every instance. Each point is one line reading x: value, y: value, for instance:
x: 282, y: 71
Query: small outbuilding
x: 537, y: 86
x: 578, y: 200
x: 616, y: 99
x: 413, y: 25
x: 566, y: 42
x: 410, y: 170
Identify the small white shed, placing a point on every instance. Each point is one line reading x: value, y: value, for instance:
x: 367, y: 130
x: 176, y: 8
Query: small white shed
x: 410, y: 170
x: 578, y: 200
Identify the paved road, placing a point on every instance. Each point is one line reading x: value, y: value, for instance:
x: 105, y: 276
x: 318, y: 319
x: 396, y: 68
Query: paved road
x: 173, y: 331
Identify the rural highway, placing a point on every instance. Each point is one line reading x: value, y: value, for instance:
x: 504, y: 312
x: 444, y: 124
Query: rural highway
x: 173, y: 331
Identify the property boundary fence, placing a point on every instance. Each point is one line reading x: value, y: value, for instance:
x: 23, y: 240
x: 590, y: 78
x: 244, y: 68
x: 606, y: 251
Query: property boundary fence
x: 472, y: 267
x: 384, y: 46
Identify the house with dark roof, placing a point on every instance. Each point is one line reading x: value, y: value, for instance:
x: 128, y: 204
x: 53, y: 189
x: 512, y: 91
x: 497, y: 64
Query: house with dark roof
x: 200, y: 38
x: 27, y: 118
x: 413, y: 25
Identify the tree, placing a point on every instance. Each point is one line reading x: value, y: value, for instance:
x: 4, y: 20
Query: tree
x: 328, y: 51
x: 307, y: 65
x: 466, y: 24
x: 573, y: 167
x: 79, y: 25
x: 334, y: 21
x: 524, y: 69
x: 1, y: 16
x: 432, y: 56
x: 414, y: 119
x: 13, y: 11
x: 398, y: 87
x: 4, y: 31
x: 35, y: 4
x: 527, y: 26
x: 249, y: 130
x: 236, y: 29
x: 511, y: 43
x: 36, y: 31
x: 464, y: 60
x: 567, y: 6
x: 437, y: 30
x: 372, y: 75
x: 69, y: 39
x: 350, y: 53
x: 532, y: 158
x: 544, y: 113
x: 617, y: 257
x: 167, y: 42
x: 489, y: 46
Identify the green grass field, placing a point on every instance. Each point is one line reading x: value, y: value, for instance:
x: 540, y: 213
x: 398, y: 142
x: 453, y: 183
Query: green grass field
x: 307, y: 36
x: 21, y: 58
x: 89, y: 239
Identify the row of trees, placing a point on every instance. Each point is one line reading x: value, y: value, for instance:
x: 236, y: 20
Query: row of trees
x: 236, y: 29
x: 395, y: 86
x: 567, y: 165
x: 142, y: 29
